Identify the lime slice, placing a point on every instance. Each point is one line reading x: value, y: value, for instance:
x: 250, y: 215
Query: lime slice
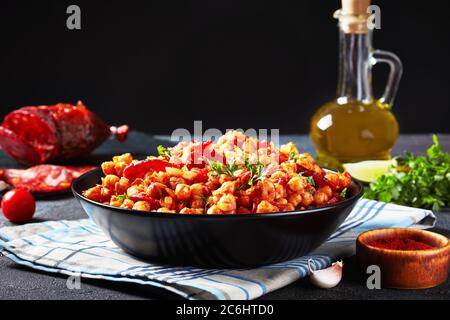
x: 368, y: 171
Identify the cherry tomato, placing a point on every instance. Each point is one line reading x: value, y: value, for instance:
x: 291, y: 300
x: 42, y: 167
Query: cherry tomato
x: 18, y: 205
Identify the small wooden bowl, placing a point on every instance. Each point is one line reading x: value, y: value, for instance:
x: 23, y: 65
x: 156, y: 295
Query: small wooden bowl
x: 401, y: 269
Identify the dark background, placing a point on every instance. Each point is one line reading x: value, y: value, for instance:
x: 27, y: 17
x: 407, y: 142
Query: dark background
x: 160, y: 65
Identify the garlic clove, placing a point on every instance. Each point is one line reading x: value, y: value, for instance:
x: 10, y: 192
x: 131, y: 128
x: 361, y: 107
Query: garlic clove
x: 326, y: 278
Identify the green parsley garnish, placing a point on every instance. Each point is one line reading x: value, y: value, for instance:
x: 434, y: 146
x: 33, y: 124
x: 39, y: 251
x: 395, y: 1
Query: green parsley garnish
x: 163, y: 151
x: 256, y: 171
x: 422, y: 181
x: 343, y: 193
x: 122, y: 197
x: 218, y: 168
x: 293, y: 156
x: 309, y: 179
x: 206, y: 201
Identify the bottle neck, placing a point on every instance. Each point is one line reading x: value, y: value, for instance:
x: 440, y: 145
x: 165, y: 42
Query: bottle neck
x: 354, y: 67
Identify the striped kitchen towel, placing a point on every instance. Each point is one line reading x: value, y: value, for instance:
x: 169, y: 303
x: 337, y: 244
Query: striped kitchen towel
x: 78, y: 247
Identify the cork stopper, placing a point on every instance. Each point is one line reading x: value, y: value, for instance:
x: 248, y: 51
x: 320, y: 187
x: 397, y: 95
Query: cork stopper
x: 355, y: 7
x: 353, y: 16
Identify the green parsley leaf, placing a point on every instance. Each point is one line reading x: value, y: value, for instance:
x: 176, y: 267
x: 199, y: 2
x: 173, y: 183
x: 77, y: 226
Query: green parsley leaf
x: 163, y: 151
x: 206, y: 203
x: 293, y: 156
x: 418, y: 181
x: 256, y: 171
x: 218, y: 168
x: 122, y: 197
x: 309, y: 179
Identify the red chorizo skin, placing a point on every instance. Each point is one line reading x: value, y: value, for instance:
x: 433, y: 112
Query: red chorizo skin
x: 46, y: 134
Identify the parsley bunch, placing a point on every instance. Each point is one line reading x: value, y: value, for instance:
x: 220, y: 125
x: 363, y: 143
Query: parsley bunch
x: 422, y: 182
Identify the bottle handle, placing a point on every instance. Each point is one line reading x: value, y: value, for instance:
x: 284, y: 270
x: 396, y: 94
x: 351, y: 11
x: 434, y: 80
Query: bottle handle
x: 395, y: 74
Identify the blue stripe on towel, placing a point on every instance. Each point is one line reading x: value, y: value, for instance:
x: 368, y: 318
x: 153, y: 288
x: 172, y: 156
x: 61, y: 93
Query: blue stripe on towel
x: 247, y: 295
x: 259, y: 283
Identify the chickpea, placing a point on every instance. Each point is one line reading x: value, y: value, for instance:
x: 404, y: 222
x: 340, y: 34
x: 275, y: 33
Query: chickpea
x: 108, y: 167
x: 134, y: 190
x: 183, y: 192
x: 125, y: 158
x: 320, y: 198
x: 282, y: 201
x: 307, y: 198
x: 277, y: 175
x: 212, y: 184
x: 267, y: 190
x: 244, y: 200
x: 198, y: 189
x: 161, y: 177
x: 174, y: 172
x: 122, y: 185
x: 227, y: 202
x: 289, y: 207
x: 106, y: 194
x: 198, y: 203
x: 115, y: 202
x: 266, y: 207
x: 142, y: 206
x: 333, y: 178
x: 345, y: 179
x: 327, y: 190
x: 297, y: 184
x: 140, y: 183
x: 288, y: 148
x: 110, y: 180
x: 214, y: 210
x: 306, y: 161
x: 119, y: 167
x: 280, y: 191
x: 295, y: 199
x: 289, y: 167
x: 189, y: 175
x: 163, y: 209
x: 94, y: 193
x: 223, y: 178
x: 167, y: 202
x: 229, y: 187
x: 215, y: 198
x: 174, y: 181
x: 317, y: 169
x: 127, y: 203
x: 192, y: 210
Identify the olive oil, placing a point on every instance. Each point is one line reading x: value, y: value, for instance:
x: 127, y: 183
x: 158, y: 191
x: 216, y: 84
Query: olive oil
x: 354, y: 126
x: 353, y: 132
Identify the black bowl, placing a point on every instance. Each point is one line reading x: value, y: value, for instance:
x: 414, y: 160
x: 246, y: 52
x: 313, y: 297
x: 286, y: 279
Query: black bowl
x: 244, y: 240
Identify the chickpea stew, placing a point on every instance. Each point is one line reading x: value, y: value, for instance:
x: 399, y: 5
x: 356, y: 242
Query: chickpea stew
x: 236, y: 174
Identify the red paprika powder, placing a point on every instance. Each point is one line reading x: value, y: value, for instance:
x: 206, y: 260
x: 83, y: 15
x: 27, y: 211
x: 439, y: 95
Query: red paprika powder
x: 400, y: 244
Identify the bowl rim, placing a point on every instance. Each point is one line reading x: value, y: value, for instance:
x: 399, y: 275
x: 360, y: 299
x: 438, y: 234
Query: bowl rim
x: 155, y: 214
x: 411, y: 253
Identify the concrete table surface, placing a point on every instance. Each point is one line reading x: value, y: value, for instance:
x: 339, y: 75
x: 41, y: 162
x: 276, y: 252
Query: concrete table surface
x: 18, y: 282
